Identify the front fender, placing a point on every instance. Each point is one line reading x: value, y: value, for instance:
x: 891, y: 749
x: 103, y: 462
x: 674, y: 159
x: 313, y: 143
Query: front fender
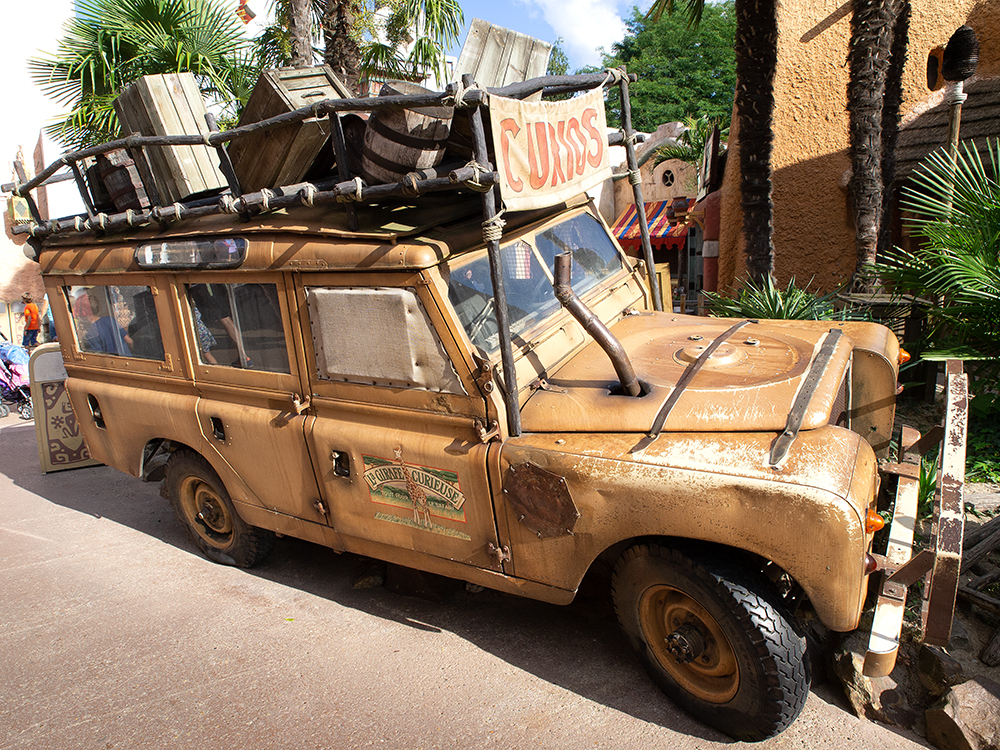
x: 807, y: 516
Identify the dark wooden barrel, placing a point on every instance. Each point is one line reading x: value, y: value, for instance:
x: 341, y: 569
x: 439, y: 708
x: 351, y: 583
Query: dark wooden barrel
x: 399, y: 141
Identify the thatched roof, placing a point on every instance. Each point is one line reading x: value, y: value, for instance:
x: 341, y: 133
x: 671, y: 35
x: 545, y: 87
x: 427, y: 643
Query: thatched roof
x: 929, y: 130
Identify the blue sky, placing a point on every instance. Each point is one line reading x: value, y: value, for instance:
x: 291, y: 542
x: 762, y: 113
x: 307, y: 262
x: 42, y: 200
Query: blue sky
x: 584, y: 25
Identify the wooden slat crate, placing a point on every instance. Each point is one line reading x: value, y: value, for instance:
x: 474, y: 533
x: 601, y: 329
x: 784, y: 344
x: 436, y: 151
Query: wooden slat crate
x: 171, y: 104
x: 283, y: 156
x: 496, y: 56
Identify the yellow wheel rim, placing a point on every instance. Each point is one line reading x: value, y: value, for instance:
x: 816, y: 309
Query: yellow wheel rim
x: 689, y: 644
x: 206, y: 512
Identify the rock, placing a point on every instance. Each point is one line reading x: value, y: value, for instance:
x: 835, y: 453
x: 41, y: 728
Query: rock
x: 937, y: 670
x: 959, y: 636
x: 370, y: 574
x: 967, y: 718
x: 885, y: 699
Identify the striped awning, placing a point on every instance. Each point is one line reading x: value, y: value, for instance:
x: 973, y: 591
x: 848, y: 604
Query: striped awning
x: 658, y: 218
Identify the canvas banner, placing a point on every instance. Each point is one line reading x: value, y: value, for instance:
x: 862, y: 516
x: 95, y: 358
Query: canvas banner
x: 549, y: 152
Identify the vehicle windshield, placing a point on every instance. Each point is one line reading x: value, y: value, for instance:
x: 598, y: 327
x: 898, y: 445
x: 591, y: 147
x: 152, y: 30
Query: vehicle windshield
x: 528, y: 264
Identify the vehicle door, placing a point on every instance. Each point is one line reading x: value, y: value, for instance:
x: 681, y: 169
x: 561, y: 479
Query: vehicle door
x: 238, y: 330
x: 396, y: 438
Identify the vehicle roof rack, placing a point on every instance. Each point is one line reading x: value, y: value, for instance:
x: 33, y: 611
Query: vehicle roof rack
x: 478, y: 175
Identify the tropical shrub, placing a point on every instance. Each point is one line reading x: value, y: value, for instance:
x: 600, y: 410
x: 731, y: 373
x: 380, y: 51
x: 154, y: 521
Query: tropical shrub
x: 767, y: 301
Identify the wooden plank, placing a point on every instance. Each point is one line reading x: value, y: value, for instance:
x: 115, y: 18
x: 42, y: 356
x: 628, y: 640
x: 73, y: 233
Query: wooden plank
x: 282, y: 156
x: 171, y: 104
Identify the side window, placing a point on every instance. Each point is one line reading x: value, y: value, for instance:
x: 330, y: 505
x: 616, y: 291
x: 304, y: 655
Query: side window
x: 379, y: 336
x: 239, y: 325
x: 116, y: 320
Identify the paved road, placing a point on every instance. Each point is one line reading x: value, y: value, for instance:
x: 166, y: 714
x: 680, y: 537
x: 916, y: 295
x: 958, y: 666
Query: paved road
x: 116, y: 634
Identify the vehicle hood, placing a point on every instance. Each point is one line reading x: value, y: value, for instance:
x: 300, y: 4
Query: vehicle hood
x: 749, y: 382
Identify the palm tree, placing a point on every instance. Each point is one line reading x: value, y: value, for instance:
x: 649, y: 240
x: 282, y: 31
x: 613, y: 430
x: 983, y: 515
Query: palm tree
x: 878, y: 46
x: 369, y: 37
x: 954, y: 271
x: 111, y: 43
x: 756, y: 60
x: 879, y: 30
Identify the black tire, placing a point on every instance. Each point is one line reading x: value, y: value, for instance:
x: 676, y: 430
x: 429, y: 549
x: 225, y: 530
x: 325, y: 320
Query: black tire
x: 715, y: 640
x: 202, y: 505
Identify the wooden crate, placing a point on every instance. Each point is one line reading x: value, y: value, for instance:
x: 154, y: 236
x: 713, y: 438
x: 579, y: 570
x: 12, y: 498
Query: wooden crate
x: 283, y: 156
x: 171, y: 104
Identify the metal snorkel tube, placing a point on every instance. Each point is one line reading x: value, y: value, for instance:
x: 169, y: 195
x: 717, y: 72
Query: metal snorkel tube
x: 591, y: 324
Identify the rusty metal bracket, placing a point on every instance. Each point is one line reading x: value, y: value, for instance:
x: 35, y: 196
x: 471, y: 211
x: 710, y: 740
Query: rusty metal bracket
x: 682, y: 383
x: 798, y: 412
x: 941, y: 564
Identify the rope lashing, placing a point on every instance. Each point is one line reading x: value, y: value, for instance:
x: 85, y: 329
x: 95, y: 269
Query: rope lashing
x: 614, y: 77
x: 409, y: 184
x: 177, y: 211
x: 228, y: 204
x: 493, y: 228
x: 265, y: 199
x: 457, y: 98
x: 634, y: 177
x: 308, y: 194
x: 476, y: 182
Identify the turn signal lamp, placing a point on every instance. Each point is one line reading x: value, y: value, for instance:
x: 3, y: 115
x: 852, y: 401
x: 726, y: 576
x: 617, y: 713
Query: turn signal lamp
x: 904, y: 356
x: 871, y: 565
x: 873, y: 521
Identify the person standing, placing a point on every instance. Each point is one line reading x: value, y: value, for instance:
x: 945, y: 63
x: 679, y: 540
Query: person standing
x: 32, y: 322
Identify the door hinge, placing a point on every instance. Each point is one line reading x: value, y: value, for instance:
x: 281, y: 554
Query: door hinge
x: 320, y: 507
x: 168, y: 363
x: 502, y: 554
x: 485, y: 436
x: 484, y: 374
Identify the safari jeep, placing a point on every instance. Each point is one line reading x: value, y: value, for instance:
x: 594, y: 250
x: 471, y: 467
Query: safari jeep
x: 506, y: 411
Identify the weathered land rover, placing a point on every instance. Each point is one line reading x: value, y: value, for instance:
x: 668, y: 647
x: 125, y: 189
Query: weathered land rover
x: 505, y: 410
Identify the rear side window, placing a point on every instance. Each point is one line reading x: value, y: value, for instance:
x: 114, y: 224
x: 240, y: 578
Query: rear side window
x: 239, y: 325
x: 116, y: 320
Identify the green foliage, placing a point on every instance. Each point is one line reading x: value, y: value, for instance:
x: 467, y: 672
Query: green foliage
x: 558, y: 61
x: 766, y: 301
x: 683, y: 71
x: 983, y: 448
x: 383, y: 30
x: 694, y: 10
x: 690, y: 146
x: 955, y: 271
x: 111, y: 43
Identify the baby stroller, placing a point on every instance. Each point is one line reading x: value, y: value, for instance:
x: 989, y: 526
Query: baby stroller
x: 14, y: 390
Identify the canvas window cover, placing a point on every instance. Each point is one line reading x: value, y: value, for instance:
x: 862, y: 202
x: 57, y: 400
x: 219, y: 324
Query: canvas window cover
x: 116, y: 320
x: 378, y: 336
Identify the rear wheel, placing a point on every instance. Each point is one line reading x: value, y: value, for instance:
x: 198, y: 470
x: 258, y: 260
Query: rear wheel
x: 714, y: 638
x: 202, y: 504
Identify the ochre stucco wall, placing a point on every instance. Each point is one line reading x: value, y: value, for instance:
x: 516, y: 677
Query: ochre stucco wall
x: 813, y: 226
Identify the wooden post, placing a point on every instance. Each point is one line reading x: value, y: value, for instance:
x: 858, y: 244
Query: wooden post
x: 640, y: 206
x: 22, y: 177
x: 343, y: 170
x: 490, y: 200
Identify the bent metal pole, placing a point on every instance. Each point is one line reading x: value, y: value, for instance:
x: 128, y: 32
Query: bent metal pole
x: 634, y: 179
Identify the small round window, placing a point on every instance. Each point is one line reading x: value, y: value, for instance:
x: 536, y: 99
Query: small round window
x: 668, y: 177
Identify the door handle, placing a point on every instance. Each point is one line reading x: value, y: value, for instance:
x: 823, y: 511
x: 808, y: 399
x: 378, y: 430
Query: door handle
x: 218, y: 431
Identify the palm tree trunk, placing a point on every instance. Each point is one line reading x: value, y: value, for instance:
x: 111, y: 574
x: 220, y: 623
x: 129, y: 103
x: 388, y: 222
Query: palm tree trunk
x: 872, y: 26
x: 300, y: 30
x: 756, y: 60
x: 341, y: 49
x: 890, y: 118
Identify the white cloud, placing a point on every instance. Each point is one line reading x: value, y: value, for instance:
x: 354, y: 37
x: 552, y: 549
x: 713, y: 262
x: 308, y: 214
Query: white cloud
x: 585, y: 26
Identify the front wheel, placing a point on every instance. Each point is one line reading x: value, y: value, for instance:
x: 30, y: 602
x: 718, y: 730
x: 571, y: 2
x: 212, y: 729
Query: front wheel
x: 202, y: 505
x: 714, y: 639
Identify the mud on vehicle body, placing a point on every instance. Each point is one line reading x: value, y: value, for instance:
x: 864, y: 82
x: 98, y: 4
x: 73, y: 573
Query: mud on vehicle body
x: 504, y: 411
